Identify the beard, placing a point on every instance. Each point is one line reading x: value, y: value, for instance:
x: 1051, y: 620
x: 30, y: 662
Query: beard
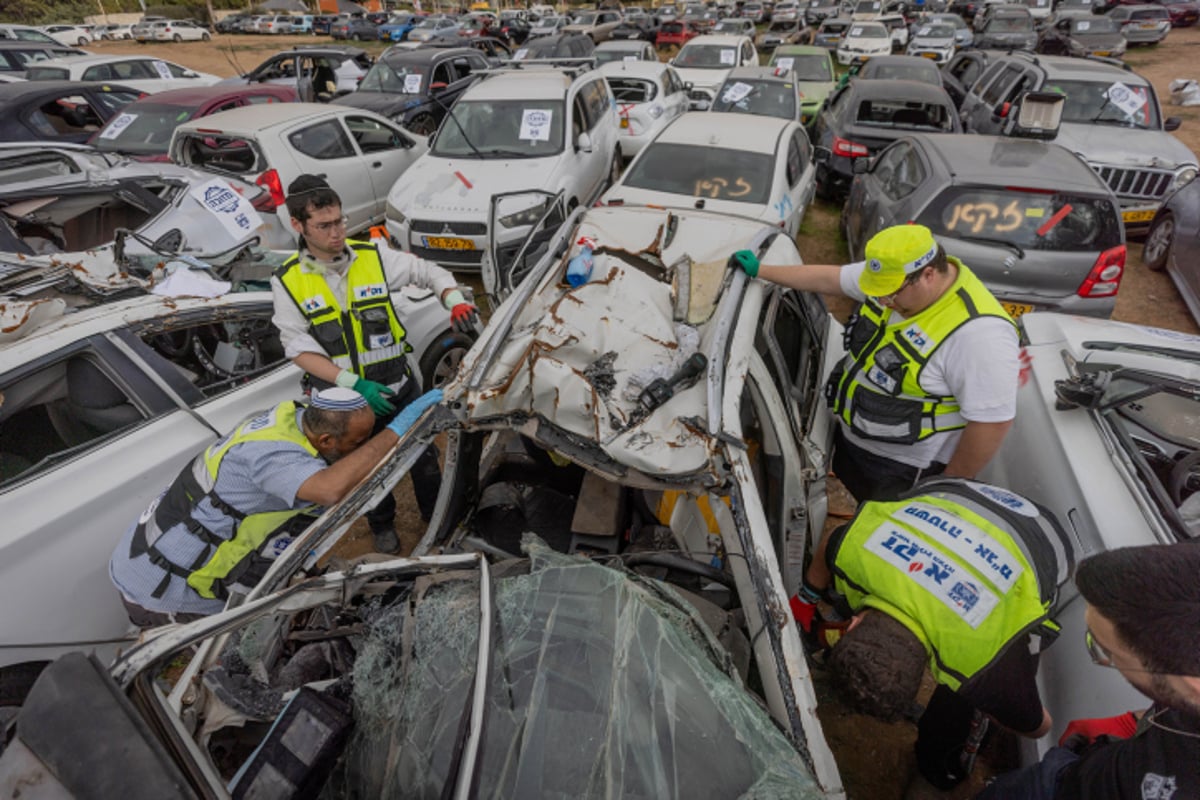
x: 1163, y: 693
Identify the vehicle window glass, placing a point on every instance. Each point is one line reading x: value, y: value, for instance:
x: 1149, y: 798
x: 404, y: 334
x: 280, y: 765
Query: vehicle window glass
x: 768, y: 98
x: 906, y: 172
x: 373, y: 136
x: 596, y: 95
x: 705, y: 172
x: 146, y: 130
x: 261, y: 99
x: 580, y: 118
x: 1108, y: 103
x: 175, y: 70
x: 1000, y: 87
x: 909, y: 114
x: 504, y: 128
x: 966, y: 71
x: 788, y: 343
x: 675, y: 82
x: 633, y: 90
x: 100, y: 72
x: 1031, y: 220
x: 226, y: 106
x: 113, y: 101
x: 52, y: 414
x: 988, y: 77
x: 48, y: 74
x: 442, y: 74
x: 795, y: 162
x: 324, y: 140
x: 36, y: 166
x: 67, y: 116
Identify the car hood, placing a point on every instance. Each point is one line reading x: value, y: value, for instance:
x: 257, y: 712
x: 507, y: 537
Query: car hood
x: 433, y: 183
x: 703, y: 78
x: 932, y: 42
x: 384, y: 103
x: 814, y: 91
x: 1108, y: 144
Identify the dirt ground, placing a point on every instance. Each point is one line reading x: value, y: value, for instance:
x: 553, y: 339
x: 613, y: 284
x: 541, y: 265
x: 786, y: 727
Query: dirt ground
x: 875, y: 758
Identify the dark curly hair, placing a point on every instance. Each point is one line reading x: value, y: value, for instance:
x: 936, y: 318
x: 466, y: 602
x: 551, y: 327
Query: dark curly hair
x: 877, y: 667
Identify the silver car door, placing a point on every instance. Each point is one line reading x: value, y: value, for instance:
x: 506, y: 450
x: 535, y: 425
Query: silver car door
x: 325, y: 148
x: 387, y: 152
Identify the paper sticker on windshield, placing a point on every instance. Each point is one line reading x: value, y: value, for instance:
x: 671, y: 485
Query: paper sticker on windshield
x: 162, y: 69
x: 785, y: 63
x: 535, y: 124
x: 630, y: 58
x: 1082, y: 25
x: 729, y: 57
x: 1125, y: 98
x: 925, y: 31
x: 737, y: 92
x: 412, y: 84
x: 235, y: 213
x: 856, y: 31
x: 117, y: 125
x: 520, y: 54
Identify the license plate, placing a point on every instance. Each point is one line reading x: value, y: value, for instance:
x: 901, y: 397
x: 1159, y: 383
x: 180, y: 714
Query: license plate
x: 1100, y: 52
x: 448, y: 243
x: 1149, y: 26
x: 1138, y: 216
x: 1015, y: 310
x: 928, y: 55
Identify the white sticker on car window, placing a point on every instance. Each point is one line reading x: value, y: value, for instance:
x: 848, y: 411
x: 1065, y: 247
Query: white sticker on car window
x: 535, y: 124
x: 520, y: 54
x: 412, y: 84
x: 1082, y: 25
x: 117, y: 125
x: 1125, y: 98
x: 729, y: 57
x: 785, y: 63
x: 856, y: 31
x: 630, y: 58
x: 737, y: 92
x: 925, y: 31
x: 163, y: 70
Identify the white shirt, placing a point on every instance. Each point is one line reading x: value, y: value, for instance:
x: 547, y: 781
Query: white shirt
x: 400, y: 269
x: 978, y: 365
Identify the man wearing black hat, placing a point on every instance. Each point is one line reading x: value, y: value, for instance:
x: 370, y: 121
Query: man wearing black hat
x: 335, y: 316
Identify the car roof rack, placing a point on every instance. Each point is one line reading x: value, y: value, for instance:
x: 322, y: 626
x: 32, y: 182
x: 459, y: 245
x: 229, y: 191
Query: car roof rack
x: 1112, y: 62
x: 572, y: 67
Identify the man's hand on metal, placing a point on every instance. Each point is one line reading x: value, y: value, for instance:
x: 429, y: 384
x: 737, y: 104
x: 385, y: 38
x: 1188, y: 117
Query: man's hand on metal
x: 463, y: 317
x: 747, y: 261
x: 377, y: 396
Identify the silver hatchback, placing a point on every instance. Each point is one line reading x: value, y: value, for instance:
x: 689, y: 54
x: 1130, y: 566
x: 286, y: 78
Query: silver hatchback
x: 1028, y: 217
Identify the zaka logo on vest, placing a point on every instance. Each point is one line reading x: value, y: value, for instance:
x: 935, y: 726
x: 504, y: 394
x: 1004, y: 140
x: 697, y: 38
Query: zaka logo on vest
x: 1158, y: 787
x: 314, y: 303
x: 918, y: 339
x: 370, y: 291
x: 965, y: 595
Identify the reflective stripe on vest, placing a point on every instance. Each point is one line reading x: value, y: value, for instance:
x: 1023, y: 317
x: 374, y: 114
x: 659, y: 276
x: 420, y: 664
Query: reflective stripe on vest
x: 366, y: 338
x: 221, y: 560
x: 877, y: 391
x: 950, y: 572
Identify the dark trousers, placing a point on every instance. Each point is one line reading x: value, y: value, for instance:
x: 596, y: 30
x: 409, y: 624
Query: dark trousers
x: 868, y: 476
x: 941, y: 733
x: 426, y: 474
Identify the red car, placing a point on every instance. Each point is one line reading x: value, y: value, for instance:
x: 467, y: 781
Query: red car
x: 143, y: 129
x: 676, y: 33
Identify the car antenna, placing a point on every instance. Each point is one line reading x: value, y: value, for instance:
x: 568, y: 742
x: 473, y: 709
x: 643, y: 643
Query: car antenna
x: 232, y: 59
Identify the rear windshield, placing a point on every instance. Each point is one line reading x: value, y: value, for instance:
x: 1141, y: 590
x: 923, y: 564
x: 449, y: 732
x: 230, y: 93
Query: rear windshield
x: 768, y: 98
x: 632, y: 90
x: 835, y: 28
x: 146, y: 129
x: 907, y: 114
x: 47, y: 74
x: 709, y: 172
x: 1030, y: 220
x: 217, y: 153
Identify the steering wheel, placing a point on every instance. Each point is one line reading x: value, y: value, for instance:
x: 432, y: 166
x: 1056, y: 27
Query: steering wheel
x: 1180, y: 473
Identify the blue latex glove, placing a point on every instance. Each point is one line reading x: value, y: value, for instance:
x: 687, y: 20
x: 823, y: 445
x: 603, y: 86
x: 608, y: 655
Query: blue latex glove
x: 412, y: 412
x: 747, y: 261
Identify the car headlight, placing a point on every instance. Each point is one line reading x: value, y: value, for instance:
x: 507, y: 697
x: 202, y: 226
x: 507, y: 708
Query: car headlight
x: 655, y: 111
x: 1183, y: 176
x: 395, y: 214
x: 526, y: 217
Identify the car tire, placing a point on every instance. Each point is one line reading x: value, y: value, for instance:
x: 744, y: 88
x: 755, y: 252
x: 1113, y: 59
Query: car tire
x: 15, y: 683
x: 82, y: 41
x: 422, y: 124
x: 1159, y: 240
x: 440, y: 361
x: 204, y: 37
x: 177, y: 38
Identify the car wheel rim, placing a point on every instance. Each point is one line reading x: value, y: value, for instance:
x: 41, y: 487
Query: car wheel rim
x: 447, y: 366
x: 1159, y: 240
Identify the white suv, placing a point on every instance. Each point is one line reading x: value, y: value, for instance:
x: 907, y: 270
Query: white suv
x: 535, y: 128
x: 706, y: 61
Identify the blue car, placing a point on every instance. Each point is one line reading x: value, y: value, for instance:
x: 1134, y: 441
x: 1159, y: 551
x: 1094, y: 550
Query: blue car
x: 397, y: 27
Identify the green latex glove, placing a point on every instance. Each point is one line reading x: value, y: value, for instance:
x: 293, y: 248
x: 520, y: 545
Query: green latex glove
x: 377, y: 396
x: 747, y: 261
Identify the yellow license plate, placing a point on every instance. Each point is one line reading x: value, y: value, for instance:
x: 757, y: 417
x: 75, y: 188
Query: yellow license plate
x: 1138, y: 216
x: 448, y: 243
x: 624, y: 122
x: 1149, y: 26
x: 928, y: 55
x: 1015, y: 310
x: 1100, y: 52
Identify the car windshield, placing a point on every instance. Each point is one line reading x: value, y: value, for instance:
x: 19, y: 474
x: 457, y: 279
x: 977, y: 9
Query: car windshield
x: 921, y: 70
x: 429, y: 24
x: 1088, y: 27
x: 502, y: 129
x: 32, y: 36
x: 1037, y: 3
x: 1116, y: 103
x: 807, y: 66
x: 783, y: 26
x: 585, y: 19
x: 1151, y: 13
x: 748, y: 96
x: 607, y: 56
x: 706, y: 56
x: 396, y: 77
x: 937, y: 31
x: 833, y: 28
x: 868, y: 32
x: 1032, y: 220
x: 1009, y: 25
x: 146, y: 129
x: 869, y: 7
x: 547, y: 22
x: 716, y: 173
x: 907, y: 114
x: 728, y: 26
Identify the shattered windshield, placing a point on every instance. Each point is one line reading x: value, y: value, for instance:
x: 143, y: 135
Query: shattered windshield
x: 1116, y: 103
x: 398, y: 78
x: 602, y: 685
x: 502, y: 129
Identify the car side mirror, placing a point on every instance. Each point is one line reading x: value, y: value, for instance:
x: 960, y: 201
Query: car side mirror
x: 687, y: 86
x: 821, y: 155
x: 187, y: 73
x: 584, y: 143
x: 1172, y: 123
x: 860, y: 166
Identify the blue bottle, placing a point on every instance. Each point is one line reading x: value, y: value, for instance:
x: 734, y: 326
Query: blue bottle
x: 579, y: 268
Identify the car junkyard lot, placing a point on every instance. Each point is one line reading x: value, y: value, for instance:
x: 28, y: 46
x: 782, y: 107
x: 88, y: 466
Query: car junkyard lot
x: 1145, y: 297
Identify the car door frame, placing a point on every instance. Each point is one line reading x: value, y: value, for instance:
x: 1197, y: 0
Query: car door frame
x: 356, y: 206
x: 377, y: 164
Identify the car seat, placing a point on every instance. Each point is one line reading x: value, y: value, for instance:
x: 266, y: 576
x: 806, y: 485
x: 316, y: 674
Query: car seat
x: 324, y: 81
x: 95, y: 405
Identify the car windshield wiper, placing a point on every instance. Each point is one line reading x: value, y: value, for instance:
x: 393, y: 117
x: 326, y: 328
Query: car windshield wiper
x: 1181, y: 355
x: 1016, y: 248
x: 502, y: 153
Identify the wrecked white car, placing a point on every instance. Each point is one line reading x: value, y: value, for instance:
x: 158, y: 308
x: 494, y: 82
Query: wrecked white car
x: 653, y: 442
x: 100, y: 406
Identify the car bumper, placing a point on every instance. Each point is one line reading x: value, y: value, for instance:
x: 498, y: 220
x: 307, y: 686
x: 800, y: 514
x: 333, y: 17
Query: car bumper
x: 1145, y: 36
x: 427, y: 244
x: 936, y: 56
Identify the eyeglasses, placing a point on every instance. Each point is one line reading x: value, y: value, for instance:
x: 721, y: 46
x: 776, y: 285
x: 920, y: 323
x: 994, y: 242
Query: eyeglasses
x: 329, y: 227
x: 909, y: 280
x: 1103, y: 658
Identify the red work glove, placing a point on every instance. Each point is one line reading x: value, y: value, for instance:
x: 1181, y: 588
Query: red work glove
x: 1121, y: 726
x: 804, y: 612
x: 463, y: 317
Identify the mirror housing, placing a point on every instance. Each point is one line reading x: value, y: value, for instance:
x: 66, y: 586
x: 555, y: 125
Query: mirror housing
x: 1172, y: 123
x: 584, y: 143
x: 1038, y: 115
x: 860, y: 166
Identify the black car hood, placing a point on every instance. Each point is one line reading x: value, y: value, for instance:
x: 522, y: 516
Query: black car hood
x: 383, y: 103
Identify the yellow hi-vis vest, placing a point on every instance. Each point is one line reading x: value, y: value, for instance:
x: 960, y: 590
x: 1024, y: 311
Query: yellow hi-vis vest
x: 366, y: 338
x: 877, y: 390
x: 222, y: 562
x: 967, y: 567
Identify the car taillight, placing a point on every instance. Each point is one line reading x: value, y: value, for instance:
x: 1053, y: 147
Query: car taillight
x: 848, y: 149
x: 1105, y: 278
x: 274, y: 198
